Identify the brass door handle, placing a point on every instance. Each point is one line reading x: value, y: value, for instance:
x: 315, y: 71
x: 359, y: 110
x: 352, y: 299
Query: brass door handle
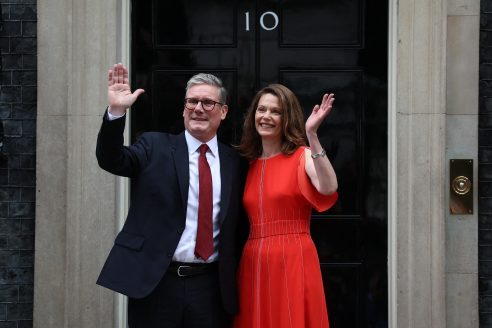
x: 461, y: 185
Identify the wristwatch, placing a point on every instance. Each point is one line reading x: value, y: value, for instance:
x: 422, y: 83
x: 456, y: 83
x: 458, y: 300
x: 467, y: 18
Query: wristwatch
x: 322, y: 154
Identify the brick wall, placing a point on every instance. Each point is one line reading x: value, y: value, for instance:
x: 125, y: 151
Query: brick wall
x: 18, y: 66
x: 485, y: 166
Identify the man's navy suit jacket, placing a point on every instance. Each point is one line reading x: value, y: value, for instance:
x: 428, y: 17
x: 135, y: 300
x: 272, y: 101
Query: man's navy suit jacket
x: 158, y: 165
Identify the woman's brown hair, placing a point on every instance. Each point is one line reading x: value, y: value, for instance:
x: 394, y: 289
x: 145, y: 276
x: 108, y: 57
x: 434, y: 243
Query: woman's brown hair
x: 293, y: 130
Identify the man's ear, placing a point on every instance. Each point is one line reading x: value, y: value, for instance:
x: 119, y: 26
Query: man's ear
x: 224, y: 111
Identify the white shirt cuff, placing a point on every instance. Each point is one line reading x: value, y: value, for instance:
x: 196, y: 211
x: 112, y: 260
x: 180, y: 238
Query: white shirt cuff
x: 112, y: 117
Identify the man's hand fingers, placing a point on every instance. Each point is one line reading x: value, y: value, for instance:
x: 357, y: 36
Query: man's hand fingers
x: 138, y: 92
x: 110, y: 78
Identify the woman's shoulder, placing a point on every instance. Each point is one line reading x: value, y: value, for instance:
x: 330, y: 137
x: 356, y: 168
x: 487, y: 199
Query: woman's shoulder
x: 299, y: 152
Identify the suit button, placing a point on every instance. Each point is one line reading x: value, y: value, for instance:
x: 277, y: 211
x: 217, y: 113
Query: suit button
x: 180, y: 231
x: 170, y: 254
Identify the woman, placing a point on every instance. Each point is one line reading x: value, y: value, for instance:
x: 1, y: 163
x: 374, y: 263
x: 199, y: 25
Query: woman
x: 279, y: 275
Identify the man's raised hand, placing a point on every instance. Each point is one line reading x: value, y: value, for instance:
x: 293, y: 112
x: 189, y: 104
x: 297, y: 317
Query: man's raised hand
x: 120, y: 96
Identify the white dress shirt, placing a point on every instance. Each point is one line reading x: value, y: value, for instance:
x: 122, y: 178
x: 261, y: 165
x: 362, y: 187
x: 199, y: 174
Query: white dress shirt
x: 185, y: 251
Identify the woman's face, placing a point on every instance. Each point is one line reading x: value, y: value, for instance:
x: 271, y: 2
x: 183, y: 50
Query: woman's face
x: 268, y: 117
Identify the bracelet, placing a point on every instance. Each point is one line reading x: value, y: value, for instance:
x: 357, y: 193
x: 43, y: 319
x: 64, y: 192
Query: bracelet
x: 322, y: 154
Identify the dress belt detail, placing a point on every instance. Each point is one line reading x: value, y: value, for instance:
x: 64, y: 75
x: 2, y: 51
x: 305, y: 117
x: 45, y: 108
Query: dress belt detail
x: 279, y: 227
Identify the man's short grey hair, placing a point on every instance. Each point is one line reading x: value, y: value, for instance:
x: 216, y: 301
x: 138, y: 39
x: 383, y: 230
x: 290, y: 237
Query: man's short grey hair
x: 209, y: 79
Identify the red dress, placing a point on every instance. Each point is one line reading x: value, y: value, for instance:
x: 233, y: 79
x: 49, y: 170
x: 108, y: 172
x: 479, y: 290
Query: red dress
x: 279, y: 276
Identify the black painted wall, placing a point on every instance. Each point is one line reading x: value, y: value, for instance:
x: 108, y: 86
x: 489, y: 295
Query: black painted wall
x: 485, y: 166
x: 18, y: 66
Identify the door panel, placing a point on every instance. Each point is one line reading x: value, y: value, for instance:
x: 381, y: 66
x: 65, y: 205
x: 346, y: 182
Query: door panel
x: 194, y: 23
x: 311, y: 23
x: 342, y: 288
x: 313, y: 47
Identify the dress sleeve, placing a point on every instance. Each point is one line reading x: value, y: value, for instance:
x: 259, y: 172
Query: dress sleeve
x: 319, y: 201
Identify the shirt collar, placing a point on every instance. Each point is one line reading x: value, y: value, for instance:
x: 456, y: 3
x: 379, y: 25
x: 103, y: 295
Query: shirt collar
x: 193, y: 144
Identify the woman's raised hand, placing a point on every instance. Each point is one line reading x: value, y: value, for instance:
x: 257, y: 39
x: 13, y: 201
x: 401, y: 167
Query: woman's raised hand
x: 319, y: 113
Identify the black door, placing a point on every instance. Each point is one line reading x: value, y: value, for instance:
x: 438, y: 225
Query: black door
x: 312, y: 47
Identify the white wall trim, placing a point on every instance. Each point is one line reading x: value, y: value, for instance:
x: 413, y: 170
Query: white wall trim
x: 392, y: 164
x: 123, y: 184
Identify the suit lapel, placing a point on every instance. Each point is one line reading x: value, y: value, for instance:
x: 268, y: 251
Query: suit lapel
x: 225, y: 181
x: 181, y: 165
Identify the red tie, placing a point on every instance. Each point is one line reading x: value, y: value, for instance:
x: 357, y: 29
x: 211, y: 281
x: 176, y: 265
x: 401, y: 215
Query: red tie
x: 204, y: 239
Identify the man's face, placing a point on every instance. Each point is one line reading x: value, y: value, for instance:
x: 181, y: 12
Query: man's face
x: 200, y: 123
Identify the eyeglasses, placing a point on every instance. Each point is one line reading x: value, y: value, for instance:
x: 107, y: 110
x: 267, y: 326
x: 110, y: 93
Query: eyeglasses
x: 207, y: 104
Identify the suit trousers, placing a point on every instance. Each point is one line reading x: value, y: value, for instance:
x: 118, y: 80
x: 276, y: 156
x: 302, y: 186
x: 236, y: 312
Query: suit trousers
x: 180, y: 302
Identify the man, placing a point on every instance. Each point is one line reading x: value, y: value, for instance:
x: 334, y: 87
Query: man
x: 176, y: 256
